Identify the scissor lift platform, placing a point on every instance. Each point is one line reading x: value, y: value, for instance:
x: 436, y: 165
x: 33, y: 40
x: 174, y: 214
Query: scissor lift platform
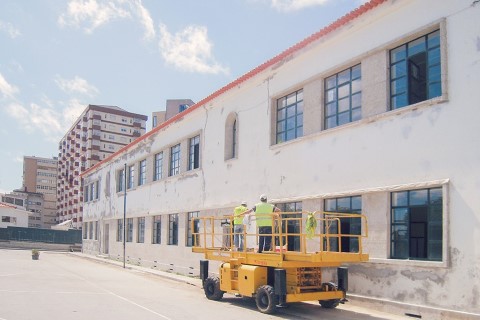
x: 287, y: 273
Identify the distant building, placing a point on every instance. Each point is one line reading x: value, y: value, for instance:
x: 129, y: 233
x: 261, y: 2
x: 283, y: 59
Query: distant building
x: 173, y: 107
x: 99, y: 132
x: 13, y: 216
x: 40, y: 176
x: 32, y: 202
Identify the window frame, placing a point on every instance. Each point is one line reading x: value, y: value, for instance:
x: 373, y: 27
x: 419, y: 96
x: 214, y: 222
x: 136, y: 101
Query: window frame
x: 142, y: 172
x: 121, y: 180
x: 440, y: 86
x: 285, y: 117
x: 189, y: 233
x: 175, y: 156
x: 394, y: 223
x: 141, y: 230
x: 158, y: 166
x: 157, y: 229
x: 129, y: 226
x: 194, y: 153
x: 119, y: 230
x: 332, y: 101
x: 131, y: 177
x: 173, y: 229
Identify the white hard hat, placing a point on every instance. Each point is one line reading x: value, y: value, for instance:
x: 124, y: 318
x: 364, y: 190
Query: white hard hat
x: 263, y: 197
x: 244, y: 203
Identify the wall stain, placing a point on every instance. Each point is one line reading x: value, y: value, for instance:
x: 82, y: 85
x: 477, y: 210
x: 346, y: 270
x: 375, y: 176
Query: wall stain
x: 424, y: 275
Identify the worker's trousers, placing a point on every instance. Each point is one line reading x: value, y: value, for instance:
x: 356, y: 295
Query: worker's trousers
x: 238, y: 236
x: 264, y: 239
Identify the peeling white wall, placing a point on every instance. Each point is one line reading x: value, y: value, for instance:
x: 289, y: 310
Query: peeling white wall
x: 437, y: 140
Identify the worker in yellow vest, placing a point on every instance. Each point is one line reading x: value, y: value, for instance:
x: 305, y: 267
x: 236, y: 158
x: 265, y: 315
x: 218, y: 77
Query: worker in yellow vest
x: 238, y: 215
x: 264, y: 214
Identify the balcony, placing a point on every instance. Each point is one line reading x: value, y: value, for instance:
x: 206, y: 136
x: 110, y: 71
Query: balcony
x: 96, y: 127
x: 97, y: 117
x: 137, y: 124
x: 97, y: 137
x: 95, y: 147
x: 136, y: 134
x: 95, y: 157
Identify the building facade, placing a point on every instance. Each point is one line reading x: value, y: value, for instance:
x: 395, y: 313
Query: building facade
x: 173, y: 107
x: 99, y: 132
x: 32, y: 202
x: 13, y: 216
x: 375, y: 113
x: 40, y: 176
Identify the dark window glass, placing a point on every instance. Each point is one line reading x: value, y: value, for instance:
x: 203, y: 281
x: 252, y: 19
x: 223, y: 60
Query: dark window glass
x: 290, y: 117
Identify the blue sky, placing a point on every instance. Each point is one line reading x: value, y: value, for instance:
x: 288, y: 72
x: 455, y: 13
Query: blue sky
x: 56, y: 57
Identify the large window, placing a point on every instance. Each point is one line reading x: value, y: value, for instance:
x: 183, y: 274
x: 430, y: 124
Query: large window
x: 119, y: 230
x: 121, y: 180
x: 141, y: 230
x: 416, y: 224
x: 190, y: 238
x: 290, y: 117
x: 415, y: 71
x: 129, y: 229
x: 158, y: 166
x: 175, y: 160
x: 90, y: 230
x: 131, y: 176
x: 348, y: 226
x: 343, y: 97
x: 157, y: 229
x: 231, y: 136
x: 194, y: 153
x: 173, y: 229
x: 142, y: 172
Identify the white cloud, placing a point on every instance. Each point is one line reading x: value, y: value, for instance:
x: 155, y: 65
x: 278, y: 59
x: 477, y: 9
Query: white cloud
x: 76, y: 85
x: 91, y: 14
x: 9, y: 29
x: 6, y: 89
x: 46, y: 120
x: 189, y: 50
x: 295, y: 5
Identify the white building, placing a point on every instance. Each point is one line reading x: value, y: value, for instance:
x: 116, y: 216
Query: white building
x: 11, y: 216
x: 377, y: 112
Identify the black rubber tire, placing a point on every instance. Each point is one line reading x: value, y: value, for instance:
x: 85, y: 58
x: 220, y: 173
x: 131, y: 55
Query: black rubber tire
x: 211, y: 286
x: 266, y: 299
x: 333, y: 303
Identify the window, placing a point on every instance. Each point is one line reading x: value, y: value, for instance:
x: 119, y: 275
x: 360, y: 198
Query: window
x: 157, y: 229
x: 158, y: 166
x: 85, y: 230
x: 86, y: 194
x: 119, y: 230
x: 93, y: 191
x: 129, y: 230
x: 154, y: 121
x: 175, y: 160
x: 121, y: 180
x: 343, y: 97
x: 96, y: 230
x: 142, y: 174
x: 416, y: 224
x: 97, y: 194
x: 348, y: 226
x: 182, y: 107
x: 231, y: 136
x: 290, y: 117
x: 190, y: 216
x: 173, y: 229
x: 90, y: 230
x: 141, y: 230
x: 292, y: 224
x: 415, y: 71
x: 194, y: 153
x: 131, y: 176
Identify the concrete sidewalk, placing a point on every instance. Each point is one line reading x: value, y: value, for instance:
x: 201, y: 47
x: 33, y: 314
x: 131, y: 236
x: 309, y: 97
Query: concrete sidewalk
x: 198, y: 283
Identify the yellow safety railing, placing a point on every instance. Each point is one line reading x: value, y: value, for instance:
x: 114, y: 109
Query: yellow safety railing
x: 333, y: 232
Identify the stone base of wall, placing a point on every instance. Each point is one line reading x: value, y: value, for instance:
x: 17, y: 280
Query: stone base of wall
x: 410, y: 310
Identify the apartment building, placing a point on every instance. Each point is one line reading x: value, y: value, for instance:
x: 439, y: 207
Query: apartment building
x: 375, y: 113
x: 32, y: 202
x: 99, y: 132
x: 40, y: 176
x: 173, y: 107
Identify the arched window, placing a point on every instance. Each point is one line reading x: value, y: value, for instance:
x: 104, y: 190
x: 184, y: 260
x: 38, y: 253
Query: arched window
x: 231, y: 136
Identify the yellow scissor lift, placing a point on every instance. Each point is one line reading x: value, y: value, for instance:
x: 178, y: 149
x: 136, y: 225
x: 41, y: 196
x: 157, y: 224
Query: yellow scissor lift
x: 287, y: 273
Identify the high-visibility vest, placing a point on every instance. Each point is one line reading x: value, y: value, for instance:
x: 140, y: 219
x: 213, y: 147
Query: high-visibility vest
x: 263, y: 214
x: 237, y: 214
